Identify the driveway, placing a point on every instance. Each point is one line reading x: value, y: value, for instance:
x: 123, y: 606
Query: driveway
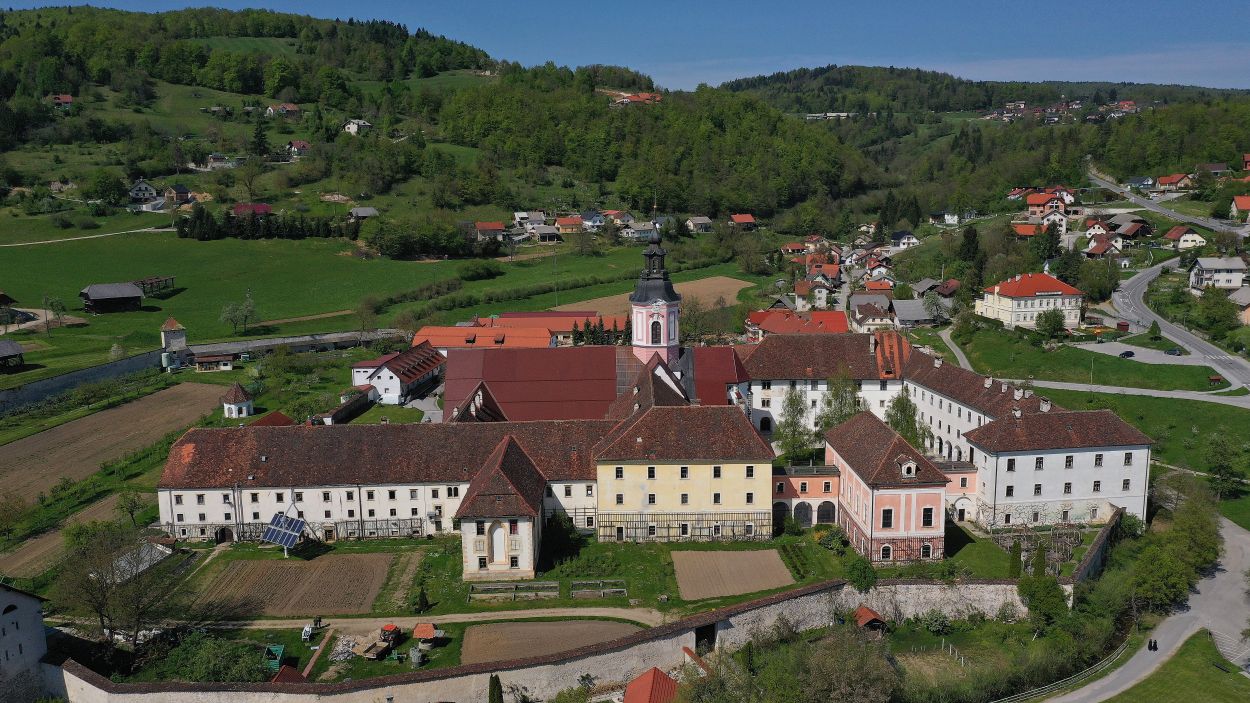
x: 428, y: 404
x: 1218, y: 603
x: 1142, y: 354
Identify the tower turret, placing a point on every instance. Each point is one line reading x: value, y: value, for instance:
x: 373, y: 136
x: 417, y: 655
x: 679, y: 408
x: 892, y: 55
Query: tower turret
x: 655, y: 307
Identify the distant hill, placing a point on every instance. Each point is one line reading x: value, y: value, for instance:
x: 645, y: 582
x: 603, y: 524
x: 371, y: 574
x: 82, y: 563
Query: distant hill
x: 878, y: 89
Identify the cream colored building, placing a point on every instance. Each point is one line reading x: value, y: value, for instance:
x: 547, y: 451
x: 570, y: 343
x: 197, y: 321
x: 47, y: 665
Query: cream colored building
x: 1018, y: 301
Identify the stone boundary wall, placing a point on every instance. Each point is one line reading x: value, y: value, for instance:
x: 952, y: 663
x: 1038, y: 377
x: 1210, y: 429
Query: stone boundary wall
x: 1096, y: 556
x: 35, y: 391
x: 613, y: 662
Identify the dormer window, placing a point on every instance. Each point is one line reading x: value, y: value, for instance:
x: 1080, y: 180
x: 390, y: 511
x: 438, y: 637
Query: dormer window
x: 908, y: 468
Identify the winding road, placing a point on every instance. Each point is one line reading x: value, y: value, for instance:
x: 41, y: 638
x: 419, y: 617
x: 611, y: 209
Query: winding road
x: 1103, y: 181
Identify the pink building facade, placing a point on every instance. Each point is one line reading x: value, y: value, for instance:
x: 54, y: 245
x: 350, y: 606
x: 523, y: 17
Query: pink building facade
x: 807, y: 493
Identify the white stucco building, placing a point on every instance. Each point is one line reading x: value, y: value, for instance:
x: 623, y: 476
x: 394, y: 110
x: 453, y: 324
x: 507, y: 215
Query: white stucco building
x: 1018, y: 301
x: 22, y: 643
x: 1225, y: 273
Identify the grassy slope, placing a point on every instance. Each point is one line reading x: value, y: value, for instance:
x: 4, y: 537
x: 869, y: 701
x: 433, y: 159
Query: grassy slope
x: 1197, y: 672
x: 1002, y: 355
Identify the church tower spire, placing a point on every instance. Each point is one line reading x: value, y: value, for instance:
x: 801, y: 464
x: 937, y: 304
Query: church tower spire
x: 655, y: 308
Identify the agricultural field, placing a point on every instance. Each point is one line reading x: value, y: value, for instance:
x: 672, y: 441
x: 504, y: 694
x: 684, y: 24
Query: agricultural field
x: 37, y: 555
x: 502, y: 641
x: 75, y: 450
x: 332, y: 584
x: 703, y: 575
x: 707, y: 290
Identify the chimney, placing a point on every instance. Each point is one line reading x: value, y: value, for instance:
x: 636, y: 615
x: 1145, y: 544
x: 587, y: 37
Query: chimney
x: 1017, y: 394
x: 989, y: 381
x: 1044, y: 403
x: 1004, y: 390
x: 1028, y: 392
x: 937, y: 362
x: 872, y: 344
x: 1015, y: 411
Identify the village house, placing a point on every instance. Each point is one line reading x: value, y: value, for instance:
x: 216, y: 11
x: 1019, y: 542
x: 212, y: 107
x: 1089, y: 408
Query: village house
x: 237, y: 403
x: 699, y: 224
x: 1018, y: 301
x: 177, y: 194
x: 904, y: 239
x: 361, y: 213
x: 744, y: 222
x: 62, y: 101
x: 1182, y: 237
x: 571, y: 224
x: 639, y: 231
x: 1240, y: 209
x: 401, y: 376
x: 621, y: 218
x: 298, y: 147
x: 23, y: 642
x: 1043, y: 203
x: 143, y: 192
x: 592, y: 220
x: 215, y: 162
x: 813, y: 294
x: 357, y: 127
x: 1104, y: 246
x: 488, y: 230
x: 289, y: 110
x: 1175, y: 181
x: 1139, y: 182
x: 1225, y: 273
x: 867, y: 317
x: 893, y: 497
x: 1218, y: 169
x: 544, y: 234
x: 761, y: 323
x: 11, y: 354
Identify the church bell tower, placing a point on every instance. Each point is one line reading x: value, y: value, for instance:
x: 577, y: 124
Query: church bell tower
x: 655, y: 308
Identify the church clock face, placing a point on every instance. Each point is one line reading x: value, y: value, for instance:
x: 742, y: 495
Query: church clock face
x: 657, y: 305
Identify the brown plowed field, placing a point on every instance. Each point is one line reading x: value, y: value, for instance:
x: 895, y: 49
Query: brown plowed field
x: 501, y: 641
x: 336, y: 584
x: 33, y: 465
x: 714, y: 574
x: 707, y: 290
x: 37, y: 555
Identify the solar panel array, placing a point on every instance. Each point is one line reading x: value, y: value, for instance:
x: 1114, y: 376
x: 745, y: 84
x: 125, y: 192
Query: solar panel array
x: 283, y: 531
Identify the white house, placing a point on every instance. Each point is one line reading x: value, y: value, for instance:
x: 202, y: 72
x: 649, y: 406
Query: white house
x: 22, y: 644
x: 1240, y: 209
x: 1183, y: 238
x: 357, y: 127
x: 1227, y: 273
x: 699, y: 224
x: 142, y: 191
x: 1018, y: 301
x: 867, y: 317
x: 904, y: 240
x: 396, y: 376
x: 237, y: 402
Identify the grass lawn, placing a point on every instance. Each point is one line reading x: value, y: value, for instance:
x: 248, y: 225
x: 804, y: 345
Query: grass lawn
x: 1180, y: 428
x: 1161, y: 344
x: 394, y: 413
x: 17, y: 228
x: 1237, y: 510
x: 1003, y: 355
x: 928, y: 336
x: 979, y: 558
x: 1196, y: 672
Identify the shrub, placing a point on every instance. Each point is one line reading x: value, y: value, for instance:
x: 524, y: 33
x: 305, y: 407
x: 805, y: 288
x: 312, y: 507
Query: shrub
x: 480, y: 270
x: 834, y: 539
x: 936, y: 622
x: 61, y: 221
x: 84, y: 222
x: 860, y: 574
x: 791, y: 527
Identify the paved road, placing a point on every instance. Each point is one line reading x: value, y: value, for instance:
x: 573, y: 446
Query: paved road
x: 1154, y: 206
x: 1238, y: 401
x: 1142, y: 355
x: 1130, y: 303
x: 1219, y: 603
x: 959, y: 353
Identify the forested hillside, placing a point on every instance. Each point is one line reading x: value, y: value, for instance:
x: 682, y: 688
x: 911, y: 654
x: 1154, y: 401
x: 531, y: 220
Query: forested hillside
x: 876, y: 89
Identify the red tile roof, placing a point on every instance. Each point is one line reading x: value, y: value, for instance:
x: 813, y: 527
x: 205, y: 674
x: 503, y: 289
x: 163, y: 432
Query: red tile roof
x: 865, y: 615
x: 274, y: 419
x: 799, y: 356
x: 1041, y: 198
x: 742, y: 219
x: 475, y: 338
x: 652, y: 686
x: 788, y: 322
x: 488, y: 226
x: 1172, y: 179
x: 423, y: 631
x: 410, y: 364
x: 570, y: 221
x: 478, y: 406
x: 1177, y: 232
x: 715, y: 368
x: 536, y: 384
x: 241, y: 209
x: 508, y: 485
x: 1057, y: 430
x: 299, y: 144
x: 1030, y: 285
x: 288, y: 674
x: 877, y: 454
x: 171, y: 325
x: 686, y: 433
x: 948, y: 287
x: 988, y: 396
x: 308, y: 455
x: 1132, y: 229
x: 1242, y: 202
x: 554, y: 322
x: 1024, y: 229
x: 878, y: 285
x: 654, y: 385
x: 236, y: 394
x: 793, y: 247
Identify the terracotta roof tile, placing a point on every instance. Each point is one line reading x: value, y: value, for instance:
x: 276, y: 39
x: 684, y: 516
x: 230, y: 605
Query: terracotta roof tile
x: 236, y: 394
x: 686, y: 433
x: 716, y: 368
x: 1028, y: 285
x: 274, y: 419
x: 986, y: 395
x: 798, y: 356
x: 508, y: 485
x: 1056, y: 430
x: 877, y: 453
x: 652, y: 686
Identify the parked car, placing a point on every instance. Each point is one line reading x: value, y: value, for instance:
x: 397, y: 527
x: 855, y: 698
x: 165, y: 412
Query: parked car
x: 1174, y: 351
x: 1127, y: 354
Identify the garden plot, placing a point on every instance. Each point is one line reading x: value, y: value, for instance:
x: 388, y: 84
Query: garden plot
x: 336, y: 584
x: 709, y: 574
x: 707, y: 290
x: 502, y: 641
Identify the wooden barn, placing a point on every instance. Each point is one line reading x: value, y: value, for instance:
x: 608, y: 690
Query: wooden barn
x: 111, y: 297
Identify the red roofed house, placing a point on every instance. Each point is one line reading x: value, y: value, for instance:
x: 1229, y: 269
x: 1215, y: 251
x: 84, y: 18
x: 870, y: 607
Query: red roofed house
x: 868, y: 619
x: 652, y: 686
x: 63, y: 101
x: 1175, y: 181
x: 1103, y: 246
x: 1240, y: 209
x: 743, y: 222
x: 1018, y: 301
x: 501, y: 515
x: 1182, y: 237
x: 298, y: 147
x: 1245, y: 162
x: 1025, y: 229
x: 793, y: 248
x: 488, y: 230
x: 761, y: 323
x: 1042, y: 203
x: 257, y: 209
x: 893, y: 499
x: 445, y: 339
x: 810, y: 294
x: 882, y: 285
x: 283, y: 110
x: 398, y: 377
x: 559, y: 323
x: 569, y: 225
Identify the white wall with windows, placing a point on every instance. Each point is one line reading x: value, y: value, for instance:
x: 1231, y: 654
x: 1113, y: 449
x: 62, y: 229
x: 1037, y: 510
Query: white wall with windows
x: 766, y: 398
x: 499, y: 548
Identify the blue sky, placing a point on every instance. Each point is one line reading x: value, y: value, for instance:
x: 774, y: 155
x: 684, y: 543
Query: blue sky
x: 682, y: 44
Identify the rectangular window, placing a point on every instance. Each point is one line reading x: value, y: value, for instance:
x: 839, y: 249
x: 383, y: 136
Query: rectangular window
x: 883, y: 385
x: 1125, y: 484
x: 766, y: 403
x: 715, y: 472
x: 434, y: 493
x: 716, y: 499
x: 750, y: 530
x: 512, y: 527
x: 390, y: 495
x: 178, y: 517
x: 781, y: 487
x: 963, y: 481
x: 1011, y: 464
x: 750, y: 499
x: 568, y: 491
x: 226, y: 517
x: 438, y: 510
x: 393, y: 513
x: 1067, y: 488
x: 1067, y: 462
x: 590, y: 521
x: 685, y: 529
x: 481, y: 562
x: 887, y: 518
x: 415, y: 512
x: 351, y: 513
x: 1097, y: 460
x: 1007, y: 519
x: 1093, y: 513
x: 802, y: 486
x: 514, y: 562
x: 590, y: 490
x: 1011, y: 491
x: 650, y: 530
x: 926, y: 517
x: 1037, y: 463
x: 480, y: 527
x: 1037, y: 489
x: 1097, y: 486
x: 372, y: 513
x: 620, y: 499
x: 368, y: 495
x: 199, y: 498
x: 255, y: 516
x: 766, y: 385
x: 202, y: 518
x: 351, y: 495
x: 685, y: 498
x: 620, y: 472
x: 1128, y: 458
x: 750, y: 472
x: 651, y: 472
x: 281, y: 497
x: 650, y: 499
x: 412, y: 494
x: 685, y: 472
x: 828, y: 488
x: 1036, y: 515
x: 177, y: 500
x: 225, y: 498
x: 453, y: 491
x: 325, y: 496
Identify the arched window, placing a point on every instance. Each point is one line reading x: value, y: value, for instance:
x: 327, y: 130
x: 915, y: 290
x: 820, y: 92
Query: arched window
x: 655, y: 332
x: 886, y: 552
x: 766, y: 424
x: 926, y: 550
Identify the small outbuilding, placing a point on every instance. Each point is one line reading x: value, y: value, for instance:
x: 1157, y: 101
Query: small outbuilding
x: 10, y: 354
x: 111, y: 297
x: 868, y: 619
x: 237, y: 402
